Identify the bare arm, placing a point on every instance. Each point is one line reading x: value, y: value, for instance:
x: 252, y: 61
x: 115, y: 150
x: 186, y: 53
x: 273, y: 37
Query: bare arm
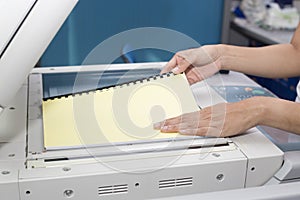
x: 274, y: 61
x: 228, y: 119
x: 233, y: 118
x: 281, y: 114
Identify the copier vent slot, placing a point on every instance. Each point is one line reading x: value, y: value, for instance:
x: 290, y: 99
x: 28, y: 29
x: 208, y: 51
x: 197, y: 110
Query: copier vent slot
x: 112, y: 189
x: 174, y: 183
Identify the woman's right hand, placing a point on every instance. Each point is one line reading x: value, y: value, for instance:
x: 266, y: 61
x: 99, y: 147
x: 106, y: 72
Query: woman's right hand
x: 198, y: 63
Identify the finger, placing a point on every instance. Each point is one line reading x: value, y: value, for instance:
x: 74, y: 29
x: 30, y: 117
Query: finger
x: 169, y: 66
x: 194, y: 132
x: 203, y: 131
x: 192, y: 76
x: 170, y: 129
x: 157, y: 126
x: 171, y: 121
x: 192, y: 80
x: 179, y: 126
x: 167, y: 122
x: 184, y: 118
x: 182, y: 65
x: 162, y: 125
x: 187, y: 118
x: 195, y: 75
x: 188, y: 125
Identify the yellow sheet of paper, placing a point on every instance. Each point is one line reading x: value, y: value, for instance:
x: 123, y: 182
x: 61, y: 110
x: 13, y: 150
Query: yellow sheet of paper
x: 116, y: 115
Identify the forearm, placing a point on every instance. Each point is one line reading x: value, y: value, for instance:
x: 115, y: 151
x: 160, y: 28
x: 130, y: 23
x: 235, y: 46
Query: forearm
x: 276, y: 113
x: 272, y: 61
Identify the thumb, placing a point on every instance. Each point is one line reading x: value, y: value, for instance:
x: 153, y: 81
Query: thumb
x: 169, y: 66
x: 182, y: 65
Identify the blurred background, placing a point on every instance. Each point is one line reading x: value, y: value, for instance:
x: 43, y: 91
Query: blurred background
x: 94, y: 21
x: 239, y: 22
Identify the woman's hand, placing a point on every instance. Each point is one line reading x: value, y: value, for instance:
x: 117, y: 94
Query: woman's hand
x: 198, y: 63
x: 221, y: 120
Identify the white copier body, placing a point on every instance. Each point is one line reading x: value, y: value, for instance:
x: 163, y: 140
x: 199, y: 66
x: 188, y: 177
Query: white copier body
x: 148, y: 170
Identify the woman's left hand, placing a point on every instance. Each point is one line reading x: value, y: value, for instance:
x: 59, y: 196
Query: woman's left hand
x: 221, y: 120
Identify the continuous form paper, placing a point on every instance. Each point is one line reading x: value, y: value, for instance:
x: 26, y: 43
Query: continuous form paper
x: 118, y: 114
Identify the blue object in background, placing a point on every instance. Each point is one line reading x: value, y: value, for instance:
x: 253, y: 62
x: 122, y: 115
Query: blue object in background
x: 239, y: 13
x: 283, y: 88
x: 284, y: 3
x: 93, y: 21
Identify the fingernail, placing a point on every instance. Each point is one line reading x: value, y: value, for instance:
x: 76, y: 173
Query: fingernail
x: 157, y: 126
x: 165, y: 129
x: 175, y: 70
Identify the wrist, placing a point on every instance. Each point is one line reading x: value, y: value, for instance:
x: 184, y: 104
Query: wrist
x: 215, y: 54
x: 220, y: 56
x: 258, y: 108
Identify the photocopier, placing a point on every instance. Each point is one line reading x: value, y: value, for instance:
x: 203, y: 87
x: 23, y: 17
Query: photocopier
x: 248, y: 166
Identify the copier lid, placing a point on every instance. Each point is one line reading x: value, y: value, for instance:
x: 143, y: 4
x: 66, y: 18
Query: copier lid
x: 10, y: 21
x: 27, y: 28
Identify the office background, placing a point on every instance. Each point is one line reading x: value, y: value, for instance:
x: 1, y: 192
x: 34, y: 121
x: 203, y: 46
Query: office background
x: 207, y: 22
x: 94, y: 21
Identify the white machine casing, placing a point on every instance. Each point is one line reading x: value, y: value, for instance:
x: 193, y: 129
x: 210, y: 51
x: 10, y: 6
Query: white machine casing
x: 141, y: 170
x: 28, y: 27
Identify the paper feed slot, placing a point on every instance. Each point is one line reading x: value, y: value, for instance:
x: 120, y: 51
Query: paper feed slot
x: 123, y: 150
